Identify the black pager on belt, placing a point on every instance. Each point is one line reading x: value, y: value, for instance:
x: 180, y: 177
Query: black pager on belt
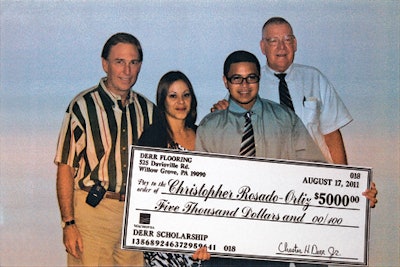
x: 95, y: 195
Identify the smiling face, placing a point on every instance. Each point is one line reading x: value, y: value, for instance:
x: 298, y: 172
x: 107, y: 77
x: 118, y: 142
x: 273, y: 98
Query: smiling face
x: 122, y: 67
x: 281, y: 50
x: 178, y: 101
x: 245, y: 94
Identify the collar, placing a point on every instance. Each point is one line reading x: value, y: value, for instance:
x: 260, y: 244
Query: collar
x: 239, y: 111
x: 113, y: 97
x: 288, y: 71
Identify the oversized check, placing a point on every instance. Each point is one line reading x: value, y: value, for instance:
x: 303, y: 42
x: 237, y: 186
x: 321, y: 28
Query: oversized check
x: 238, y: 207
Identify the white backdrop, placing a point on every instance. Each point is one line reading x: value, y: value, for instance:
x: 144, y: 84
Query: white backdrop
x: 50, y: 51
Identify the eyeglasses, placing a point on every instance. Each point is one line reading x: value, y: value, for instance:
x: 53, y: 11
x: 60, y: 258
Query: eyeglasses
x: 237, y: 79
x: 274, y: 41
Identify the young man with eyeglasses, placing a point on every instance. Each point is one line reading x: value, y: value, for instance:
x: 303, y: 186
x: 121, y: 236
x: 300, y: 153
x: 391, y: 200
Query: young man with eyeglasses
x: 278, y: 132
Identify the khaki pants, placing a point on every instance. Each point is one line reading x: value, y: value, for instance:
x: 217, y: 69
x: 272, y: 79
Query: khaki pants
x: 101, y: 230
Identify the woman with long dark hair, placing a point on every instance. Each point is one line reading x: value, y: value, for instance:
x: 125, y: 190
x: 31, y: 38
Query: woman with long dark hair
x: 176, y: 130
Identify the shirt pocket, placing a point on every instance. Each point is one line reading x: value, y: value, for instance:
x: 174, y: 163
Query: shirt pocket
x: 311, y: 110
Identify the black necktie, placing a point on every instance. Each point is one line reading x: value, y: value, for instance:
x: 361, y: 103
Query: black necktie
x: 284, y: 95
x: 248, y: 146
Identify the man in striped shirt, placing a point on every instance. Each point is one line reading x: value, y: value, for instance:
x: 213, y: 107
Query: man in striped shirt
x: 92, y: 154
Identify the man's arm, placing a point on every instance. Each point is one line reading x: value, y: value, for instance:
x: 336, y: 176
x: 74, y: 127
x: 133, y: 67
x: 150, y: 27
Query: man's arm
x: 65, y: 191
x: 336, y: 147
x: 65, y: 194
x: 335, y: 144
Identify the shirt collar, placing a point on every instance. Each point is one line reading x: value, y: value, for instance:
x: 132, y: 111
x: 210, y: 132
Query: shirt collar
x: 238, y: 110
x: 288, y: 71
x: 113, y: 97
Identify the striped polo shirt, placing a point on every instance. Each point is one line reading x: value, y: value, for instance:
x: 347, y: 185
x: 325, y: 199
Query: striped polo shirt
x: 96, y: 133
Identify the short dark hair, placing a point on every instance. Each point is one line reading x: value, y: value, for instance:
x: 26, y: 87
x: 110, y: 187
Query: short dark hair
x: 121, y: 37
x: 276, y: 20
x: 162, y: 91
x: 240, y: 56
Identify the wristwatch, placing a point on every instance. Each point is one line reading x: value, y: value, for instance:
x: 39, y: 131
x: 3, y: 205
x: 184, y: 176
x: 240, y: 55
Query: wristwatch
x: 64, y: 224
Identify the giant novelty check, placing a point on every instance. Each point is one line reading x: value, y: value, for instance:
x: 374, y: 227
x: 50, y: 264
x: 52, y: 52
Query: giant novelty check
x: 246, y: 208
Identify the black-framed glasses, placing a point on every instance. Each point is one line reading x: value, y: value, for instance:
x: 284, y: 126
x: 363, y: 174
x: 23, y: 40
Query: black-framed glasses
x: 237, y: 79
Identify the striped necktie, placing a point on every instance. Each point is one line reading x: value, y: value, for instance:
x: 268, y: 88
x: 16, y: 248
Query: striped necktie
x: 248, y: 146
x: 284, y: 95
